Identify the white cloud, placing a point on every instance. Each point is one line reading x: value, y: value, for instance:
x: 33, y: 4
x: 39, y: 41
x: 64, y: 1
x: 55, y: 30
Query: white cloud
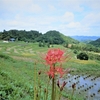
x: 52, y: 8
x: 72, y: 5
x: 20, y: 6
x: 68, y: 17
x: 74, y: 25
x: 92, y: 19
x: 94, y: 4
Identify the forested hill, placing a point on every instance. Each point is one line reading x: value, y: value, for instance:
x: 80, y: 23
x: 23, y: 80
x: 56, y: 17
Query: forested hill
x: 56, y: 37
x: 20, y: 35
x: 52, y: 37
x: 96, y: 43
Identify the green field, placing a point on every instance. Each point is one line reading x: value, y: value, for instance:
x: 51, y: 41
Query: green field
x: 18, y: 60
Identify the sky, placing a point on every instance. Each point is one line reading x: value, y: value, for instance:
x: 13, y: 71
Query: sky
x: 69, y: 17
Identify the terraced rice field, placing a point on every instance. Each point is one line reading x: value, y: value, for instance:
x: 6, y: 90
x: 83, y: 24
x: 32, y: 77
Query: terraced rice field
x: 17, y: 77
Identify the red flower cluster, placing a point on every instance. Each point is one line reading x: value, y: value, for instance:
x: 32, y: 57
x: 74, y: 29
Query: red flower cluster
x: 56, y: 70
x: 52, y: 57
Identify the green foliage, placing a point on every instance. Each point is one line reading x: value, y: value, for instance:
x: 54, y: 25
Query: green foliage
x: 94, y: 56
x: 95, y: 43
x: 17, y: 76
x: 65, y: 44
x: 82, y: 56
x: 40, y: 44
x: 69, y: 40
x: 75, y: 51
x: 6, y: 57
x: 52, y: 37
x: 21, y: 35
x: 48, y: 44
x: 85, y: 47
x: 12, y: 85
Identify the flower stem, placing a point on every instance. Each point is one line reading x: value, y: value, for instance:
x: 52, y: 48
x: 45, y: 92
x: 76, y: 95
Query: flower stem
x: 52, y: 98
x: 35, y: 89
x: 47, y: 89
x: 72, y: 94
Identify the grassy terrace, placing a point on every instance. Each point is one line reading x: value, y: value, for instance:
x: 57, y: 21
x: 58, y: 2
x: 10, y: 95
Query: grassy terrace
x: 17, y: 64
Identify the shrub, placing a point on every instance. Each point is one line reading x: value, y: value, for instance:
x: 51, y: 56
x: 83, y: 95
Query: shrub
x: 82, y: 56
x: 75, y: 51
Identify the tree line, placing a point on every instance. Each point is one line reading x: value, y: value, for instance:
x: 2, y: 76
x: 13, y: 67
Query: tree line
x: 50, y: 37
x: 20, y: 35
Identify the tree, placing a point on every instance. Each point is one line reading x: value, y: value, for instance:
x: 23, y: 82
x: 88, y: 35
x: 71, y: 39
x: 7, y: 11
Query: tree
x: 82, y: 56
x: 75, y: 51
x: 66, y: 44
x: 48, y: 44
x: 43, y: 43
x: 21, y: 35
x: 40, y: 44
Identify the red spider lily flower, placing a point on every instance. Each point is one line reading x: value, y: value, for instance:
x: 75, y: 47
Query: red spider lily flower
x: 51, y: 72
x: 55, y: 70
x: 60, y: 71
x: 53, y: 56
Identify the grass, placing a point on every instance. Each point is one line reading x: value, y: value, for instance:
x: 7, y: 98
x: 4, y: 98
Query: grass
x: 14, y: 81
x: 17, y: 62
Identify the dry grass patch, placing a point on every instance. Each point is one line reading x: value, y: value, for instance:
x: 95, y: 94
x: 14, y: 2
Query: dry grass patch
x: 84, y: 61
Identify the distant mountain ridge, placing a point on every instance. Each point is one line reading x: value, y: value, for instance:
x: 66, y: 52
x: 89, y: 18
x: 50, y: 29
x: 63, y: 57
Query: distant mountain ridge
x: 85, y: 38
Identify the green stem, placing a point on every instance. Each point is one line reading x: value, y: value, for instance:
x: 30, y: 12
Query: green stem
x: 72, y: 94
x: 39, y: 93
x: 55, y: 91
x: 44, y: 96
x: 35, y: 83
x: 52, y: 98
x: 47, y: 90
x: 59, y: 95
x: 53, y: 85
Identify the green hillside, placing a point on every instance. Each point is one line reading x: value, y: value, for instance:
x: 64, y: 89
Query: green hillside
x: 96, y: 43
x: 55, y: 37
x: 52, y: 37
x: 69, y: 39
